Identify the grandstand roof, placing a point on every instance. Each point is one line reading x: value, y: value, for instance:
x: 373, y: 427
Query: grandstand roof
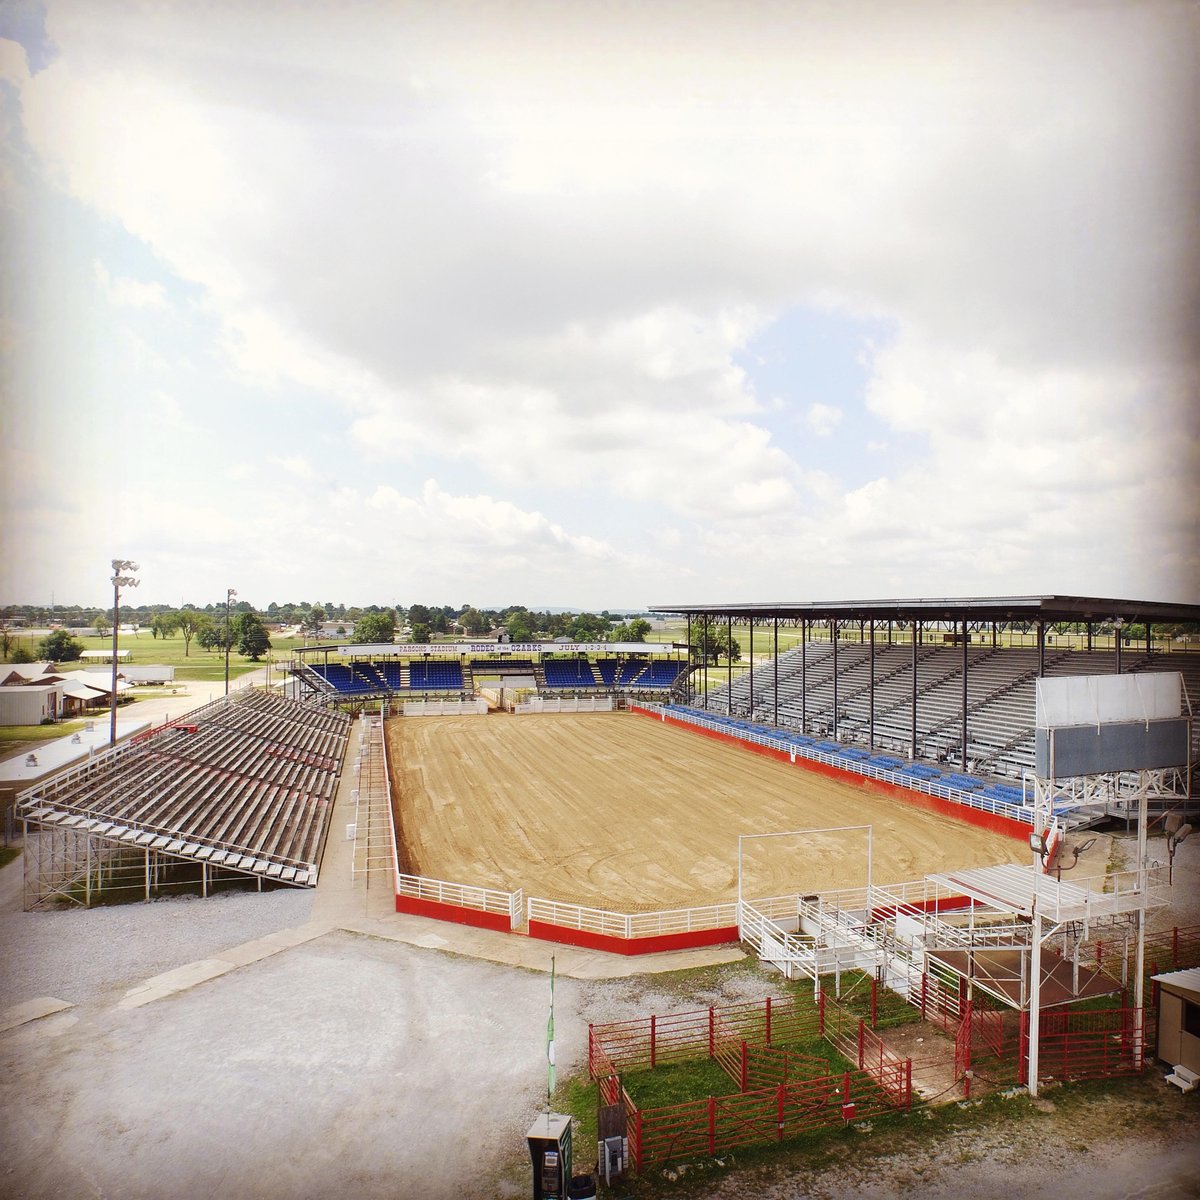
x: 979, y: 608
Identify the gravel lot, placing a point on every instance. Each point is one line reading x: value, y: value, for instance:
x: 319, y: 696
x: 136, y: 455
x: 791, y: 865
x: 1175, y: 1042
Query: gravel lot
x: 355, y: 1063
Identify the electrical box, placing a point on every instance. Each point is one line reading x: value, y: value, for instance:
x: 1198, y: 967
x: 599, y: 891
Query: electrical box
x: 549, y: 1141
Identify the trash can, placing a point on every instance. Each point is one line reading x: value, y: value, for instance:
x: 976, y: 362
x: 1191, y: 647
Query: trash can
x: 583, y: 1187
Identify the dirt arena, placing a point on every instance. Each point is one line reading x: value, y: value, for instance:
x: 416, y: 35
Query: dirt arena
x: 615, y: 811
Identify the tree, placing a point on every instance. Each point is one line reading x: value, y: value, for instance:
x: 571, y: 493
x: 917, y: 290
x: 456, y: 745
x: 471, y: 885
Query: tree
x: 313, y: 619
x: 22, y: 654
x: 163, y: 625
x: 102, y: 625
x: 60, y: 646
x: 519, y: 624
x: 8, y: 639
x: 189, y: 622
x: 587, y: 627
x: 252, y: 639
x: 472, y: 621
x: 211, y: 635
x: 634, y: 631
x: 437, y: 621
x: 717, y: 640
x: 420, y: 632
x: 373, y: 628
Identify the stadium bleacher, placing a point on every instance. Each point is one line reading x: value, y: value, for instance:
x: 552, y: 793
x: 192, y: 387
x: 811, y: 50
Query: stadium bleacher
x: 247, y: 784
x: 1001, y: 685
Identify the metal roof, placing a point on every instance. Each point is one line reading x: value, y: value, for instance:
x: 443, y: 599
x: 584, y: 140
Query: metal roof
x: 1187, y: 980
x: 974, y: 608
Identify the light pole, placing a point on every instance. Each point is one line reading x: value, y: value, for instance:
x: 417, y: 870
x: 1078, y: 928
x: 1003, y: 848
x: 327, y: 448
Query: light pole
x: 229, y: 595
x: 122, y: 577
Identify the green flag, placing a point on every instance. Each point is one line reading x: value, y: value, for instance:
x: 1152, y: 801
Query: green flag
x: 550, y: 1039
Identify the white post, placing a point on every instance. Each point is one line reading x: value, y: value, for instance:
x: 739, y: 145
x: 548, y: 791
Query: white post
x: 1035, y: 999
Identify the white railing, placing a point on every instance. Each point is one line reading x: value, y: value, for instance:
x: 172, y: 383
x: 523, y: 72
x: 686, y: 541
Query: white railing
x: 445, y: 708
x: 565, y: 704
x: 760, y: 736
x: 462, y: 895
x: 632, y: 925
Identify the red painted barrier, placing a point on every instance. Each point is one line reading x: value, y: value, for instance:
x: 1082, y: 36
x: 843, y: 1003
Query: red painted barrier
x: 655, y: 944
x: 993, y: 822
x: 453, y: 912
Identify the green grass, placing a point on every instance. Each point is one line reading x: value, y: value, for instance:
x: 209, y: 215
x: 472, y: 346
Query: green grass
x: 198, y: 665
x: 37, y: 733
x: 9, y: 854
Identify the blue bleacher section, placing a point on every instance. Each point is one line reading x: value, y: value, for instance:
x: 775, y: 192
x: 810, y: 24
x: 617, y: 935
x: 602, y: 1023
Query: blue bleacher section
x: 568, y: 673
x: 661, y: 674
x: 435, y: 676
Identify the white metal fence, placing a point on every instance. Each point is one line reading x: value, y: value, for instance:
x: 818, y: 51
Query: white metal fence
x: 565, y: 704
x: 632, y: 925
x: 463, y: 895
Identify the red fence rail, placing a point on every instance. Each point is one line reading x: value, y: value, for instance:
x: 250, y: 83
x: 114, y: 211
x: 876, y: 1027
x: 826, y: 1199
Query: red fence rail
x: 716, y: 1124
x: 646, y: 1042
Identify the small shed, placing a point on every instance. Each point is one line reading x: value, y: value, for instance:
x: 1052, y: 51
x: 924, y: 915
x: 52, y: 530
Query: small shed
x: 30, y: 704
x: 1179, y: 1019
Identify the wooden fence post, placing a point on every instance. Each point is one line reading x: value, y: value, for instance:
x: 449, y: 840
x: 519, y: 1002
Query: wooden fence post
x: 861, y: 1041
x: 908, y: 1085
x: 712, y: 1127
x: 874, y: 1001
x: 780, y: 1097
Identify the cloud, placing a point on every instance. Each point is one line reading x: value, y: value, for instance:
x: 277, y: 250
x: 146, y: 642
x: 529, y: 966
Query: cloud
x: 822, y: 419
x: 130, y: 293
x: 532, y: 257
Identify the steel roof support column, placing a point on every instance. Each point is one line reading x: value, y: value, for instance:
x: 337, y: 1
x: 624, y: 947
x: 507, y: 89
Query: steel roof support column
x: 916, y: 628
x: 751, y: 667
x: 833, y: 633
x: 1088, y: 626
x: 966, y: 642
x: 704, y: 646
x: 1041, y: 648
x: 803, y: 674
x: 775, y: 657
x: 871, y: 693
x: 1117, y: 624
x: 729, y: 665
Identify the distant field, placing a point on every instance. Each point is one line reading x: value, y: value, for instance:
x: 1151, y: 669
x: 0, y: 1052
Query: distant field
x: 202, y: 665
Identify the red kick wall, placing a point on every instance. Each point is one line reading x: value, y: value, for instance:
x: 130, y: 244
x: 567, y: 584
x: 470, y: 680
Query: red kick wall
x: 993, y: 822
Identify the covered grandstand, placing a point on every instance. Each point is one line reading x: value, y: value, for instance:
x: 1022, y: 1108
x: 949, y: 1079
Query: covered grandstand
x: 944, y: 686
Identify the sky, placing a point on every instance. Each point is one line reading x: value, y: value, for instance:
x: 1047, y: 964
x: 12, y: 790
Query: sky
x: 599, y: 305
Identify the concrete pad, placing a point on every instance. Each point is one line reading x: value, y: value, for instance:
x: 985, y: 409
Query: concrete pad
x: 182, y: 979
x: 516, y: 950
x: 31, y: 1010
